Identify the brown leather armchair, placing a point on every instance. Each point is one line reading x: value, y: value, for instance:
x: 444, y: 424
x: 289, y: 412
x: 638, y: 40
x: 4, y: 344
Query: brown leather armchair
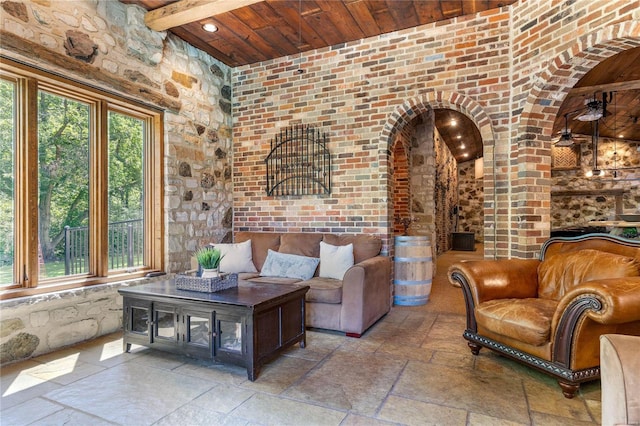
x: 549, y: 313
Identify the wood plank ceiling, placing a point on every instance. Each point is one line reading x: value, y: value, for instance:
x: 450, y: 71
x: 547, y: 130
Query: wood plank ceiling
x: 261, y: 30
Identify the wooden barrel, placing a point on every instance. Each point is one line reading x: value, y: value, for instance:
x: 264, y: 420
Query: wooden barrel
x: 413, y: 270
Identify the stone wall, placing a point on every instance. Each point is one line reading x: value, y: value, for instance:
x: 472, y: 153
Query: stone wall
x: 35, y: 325
x: 620, y: 161
x: 445, y: 194
x: 422, y: 175
x: 471, y: 200
x: 106, y: 44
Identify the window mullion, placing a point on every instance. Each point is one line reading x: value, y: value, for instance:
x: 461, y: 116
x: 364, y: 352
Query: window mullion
x: 99, y: 215
x: 26, y: 193
x: 154, y: 225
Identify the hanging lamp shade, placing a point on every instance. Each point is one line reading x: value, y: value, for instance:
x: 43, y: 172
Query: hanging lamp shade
x: 594, y: 111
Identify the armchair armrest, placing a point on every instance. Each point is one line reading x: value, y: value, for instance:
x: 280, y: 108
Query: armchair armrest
x: 497, y: 279
x: 614, y: 300
x: 366, y: 293
x: 607, y: 303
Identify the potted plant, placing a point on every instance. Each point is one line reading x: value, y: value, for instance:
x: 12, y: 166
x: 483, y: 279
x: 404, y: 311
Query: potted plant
x: 209, y: 258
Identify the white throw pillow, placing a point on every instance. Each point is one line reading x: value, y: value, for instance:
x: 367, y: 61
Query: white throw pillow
x: 236, y: 257
x: 289, y: 265
x: 335, y: 260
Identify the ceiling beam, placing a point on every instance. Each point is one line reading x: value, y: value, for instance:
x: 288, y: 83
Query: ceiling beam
x: 610, y: 87
x: 187, y: 11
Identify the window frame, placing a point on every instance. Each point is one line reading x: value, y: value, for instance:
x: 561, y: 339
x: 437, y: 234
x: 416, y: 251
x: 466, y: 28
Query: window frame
x: 28, y: 81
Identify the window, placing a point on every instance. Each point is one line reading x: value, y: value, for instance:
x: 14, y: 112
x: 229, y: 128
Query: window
x: 80, y: 184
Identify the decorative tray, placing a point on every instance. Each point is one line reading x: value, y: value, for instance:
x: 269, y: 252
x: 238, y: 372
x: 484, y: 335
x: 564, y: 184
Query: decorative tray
x: 206, y: 285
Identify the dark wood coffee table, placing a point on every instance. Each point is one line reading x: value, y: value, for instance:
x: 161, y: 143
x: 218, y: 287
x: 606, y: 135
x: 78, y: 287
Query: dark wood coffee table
x: 247, y: 325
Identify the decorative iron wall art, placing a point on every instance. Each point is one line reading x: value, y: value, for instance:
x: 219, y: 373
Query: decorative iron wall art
x: 299, y: 163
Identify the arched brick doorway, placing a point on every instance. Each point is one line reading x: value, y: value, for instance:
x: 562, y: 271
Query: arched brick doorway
x: 415, y: 107
x: 532, y: 147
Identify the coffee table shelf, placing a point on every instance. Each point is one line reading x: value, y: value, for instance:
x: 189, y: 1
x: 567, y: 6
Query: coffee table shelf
x: 247, y: 325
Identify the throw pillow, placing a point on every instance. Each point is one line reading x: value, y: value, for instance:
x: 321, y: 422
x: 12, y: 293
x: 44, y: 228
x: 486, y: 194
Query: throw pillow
x: 335, y: 260
x: 289, y: 266
x: 236, y: 257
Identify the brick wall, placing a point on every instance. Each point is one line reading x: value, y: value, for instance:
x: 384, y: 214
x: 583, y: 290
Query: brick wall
x: 401, y: 188
x: 507, y: 70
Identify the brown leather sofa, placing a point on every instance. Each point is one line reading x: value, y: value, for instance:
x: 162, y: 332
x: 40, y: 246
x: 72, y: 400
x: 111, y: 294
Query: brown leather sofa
x: 549, y: 313
x: 350, y: 305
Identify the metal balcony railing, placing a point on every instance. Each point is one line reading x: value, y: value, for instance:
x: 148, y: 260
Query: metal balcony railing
x: 126, y: 246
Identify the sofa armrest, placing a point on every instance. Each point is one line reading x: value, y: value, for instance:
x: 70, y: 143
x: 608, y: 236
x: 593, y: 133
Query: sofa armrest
x: 366, y: 294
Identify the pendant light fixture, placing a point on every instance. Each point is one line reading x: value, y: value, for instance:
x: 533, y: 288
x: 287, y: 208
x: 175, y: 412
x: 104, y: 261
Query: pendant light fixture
x: 299, y: 70
x: 565, y: 138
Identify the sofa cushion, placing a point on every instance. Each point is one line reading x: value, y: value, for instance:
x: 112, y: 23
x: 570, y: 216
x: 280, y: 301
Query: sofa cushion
x: 323, y: 290
x: 236, y: 257
x: 335, y: 260
x: 526, y: 320
x: 561, y: 272
x: 289, y: 266
x: 364, y: 246
x: 302, y: 244
x: 272, y: 280
x: 261, y: 242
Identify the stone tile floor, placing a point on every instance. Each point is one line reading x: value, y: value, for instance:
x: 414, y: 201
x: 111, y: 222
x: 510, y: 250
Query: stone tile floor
x: 413, y: 367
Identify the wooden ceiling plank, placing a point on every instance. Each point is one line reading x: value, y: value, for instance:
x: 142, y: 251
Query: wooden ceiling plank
x: 428, y: 11
x: 362, y: 15
x: 403, y: 13
x: 249, y: 40
x: 186, y: 11
x: 294, y: 22
x: 609, y: 87
x: 451, y: 8
x: 342, y: 19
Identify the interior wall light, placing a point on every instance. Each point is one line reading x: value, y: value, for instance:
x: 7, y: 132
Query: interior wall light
x: 453, y: 122
x: 210, y: 28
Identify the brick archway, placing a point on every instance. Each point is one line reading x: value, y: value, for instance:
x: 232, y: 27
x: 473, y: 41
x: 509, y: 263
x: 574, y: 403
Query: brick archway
x: 414, y: 107
x: 532, y: 225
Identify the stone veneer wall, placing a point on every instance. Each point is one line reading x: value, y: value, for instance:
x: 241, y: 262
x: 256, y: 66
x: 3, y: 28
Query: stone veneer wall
x: 422, y: 176
x: 117, y: 51
x: 623, y: 157
x: 445, y: 194
x: 471, y: 200
x: 508, y: 70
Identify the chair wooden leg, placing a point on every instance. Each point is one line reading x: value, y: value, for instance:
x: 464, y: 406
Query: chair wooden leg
x: 568, y: 390
x: 475, y: 348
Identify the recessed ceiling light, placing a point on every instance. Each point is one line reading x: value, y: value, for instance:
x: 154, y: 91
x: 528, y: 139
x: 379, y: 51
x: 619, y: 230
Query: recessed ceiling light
x: 210, y: 28
x: 621, y: 135
x: 459, y: 137
x: 462, y: 146
x: 453, y: 122
x: 466, y: 154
